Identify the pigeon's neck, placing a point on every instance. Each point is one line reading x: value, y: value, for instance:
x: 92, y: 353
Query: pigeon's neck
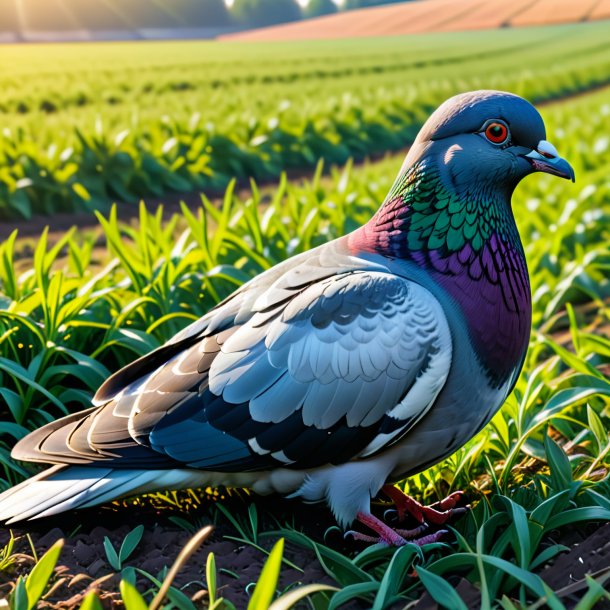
x: 468, y: 243
x: 422, y: 214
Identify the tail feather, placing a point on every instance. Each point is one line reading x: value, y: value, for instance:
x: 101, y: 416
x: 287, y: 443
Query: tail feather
x: 116, y: 486
x: 14, y: 491
x: 64, y: 488
x: 33, y: 499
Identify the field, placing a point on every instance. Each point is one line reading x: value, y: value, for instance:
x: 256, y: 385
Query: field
x: 434, y: 16
x: 123, y: 121
x: 76, y: 306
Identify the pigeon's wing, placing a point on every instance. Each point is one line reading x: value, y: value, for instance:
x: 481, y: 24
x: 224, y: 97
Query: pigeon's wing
x: 342, y: 370
x: 322, y: 372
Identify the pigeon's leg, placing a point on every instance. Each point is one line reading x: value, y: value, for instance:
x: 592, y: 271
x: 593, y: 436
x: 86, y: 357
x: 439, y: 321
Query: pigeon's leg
x: 438, y: 513
x: 387, y: 535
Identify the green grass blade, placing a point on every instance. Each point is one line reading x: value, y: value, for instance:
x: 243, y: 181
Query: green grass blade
x: 440, y: 590
x: 38, y: 579
x: 267, y: 582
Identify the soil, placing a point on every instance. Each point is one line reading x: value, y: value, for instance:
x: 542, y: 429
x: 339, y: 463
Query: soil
x: 83, y: 563
x: 589, y: 554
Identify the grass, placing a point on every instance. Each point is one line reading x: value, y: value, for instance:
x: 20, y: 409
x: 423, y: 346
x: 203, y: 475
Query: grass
x: 124, y: 121
x: 540, y: 466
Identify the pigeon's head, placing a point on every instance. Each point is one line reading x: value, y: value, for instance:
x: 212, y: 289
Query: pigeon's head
x: 489, y: 137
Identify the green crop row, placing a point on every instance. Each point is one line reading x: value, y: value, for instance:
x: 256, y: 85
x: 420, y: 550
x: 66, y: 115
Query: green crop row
x: 192, y: 116
x: 53, y: 78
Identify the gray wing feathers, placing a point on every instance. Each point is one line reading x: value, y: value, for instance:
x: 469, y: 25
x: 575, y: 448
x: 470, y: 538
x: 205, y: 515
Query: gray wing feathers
x: 273, y: 287
x: 348, y: 346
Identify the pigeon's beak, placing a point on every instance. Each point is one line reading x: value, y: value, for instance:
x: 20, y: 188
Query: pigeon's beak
x: 546, y: 159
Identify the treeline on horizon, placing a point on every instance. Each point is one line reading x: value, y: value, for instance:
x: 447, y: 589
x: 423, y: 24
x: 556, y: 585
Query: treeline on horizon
x: 66, y: 15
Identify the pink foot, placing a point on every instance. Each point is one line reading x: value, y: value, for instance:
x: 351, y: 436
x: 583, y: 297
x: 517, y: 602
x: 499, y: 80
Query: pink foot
x: 391, y: 537
x: 438, y: 513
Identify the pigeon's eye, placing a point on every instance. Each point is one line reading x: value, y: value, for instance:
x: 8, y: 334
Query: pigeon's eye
x: 496, y: 133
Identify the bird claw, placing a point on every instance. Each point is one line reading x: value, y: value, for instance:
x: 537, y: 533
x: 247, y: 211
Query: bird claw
x: 449, y: 502
x: 373, y: 539
x: 438, y: 513
x: 391, y: 537
x: 414, y: 533
x: 430, y: 538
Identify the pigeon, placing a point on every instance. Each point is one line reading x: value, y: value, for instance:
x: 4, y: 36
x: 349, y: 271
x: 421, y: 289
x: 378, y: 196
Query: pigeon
x: 343, y: 369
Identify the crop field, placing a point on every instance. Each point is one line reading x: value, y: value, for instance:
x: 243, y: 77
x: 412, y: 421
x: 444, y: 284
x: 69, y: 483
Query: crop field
x: 120, y: 122
x: 125, y: 121
x: 435, y: 16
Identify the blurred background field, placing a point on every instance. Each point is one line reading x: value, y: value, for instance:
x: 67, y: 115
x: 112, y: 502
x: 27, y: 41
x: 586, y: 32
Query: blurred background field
x: 276, y: 147
x: 122, y: 121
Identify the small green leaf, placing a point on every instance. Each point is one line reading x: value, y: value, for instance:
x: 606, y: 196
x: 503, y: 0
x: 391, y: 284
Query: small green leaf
x: 440, y: 590
x: 20, y: 596
x: 568, y: 397
x: 177, y: 597
x: 129, y: 574
x: 506, y: 604
x: 131, y: 598
x: 290, y: 599
x: 532, y: 581
x: 597, y: 427
x: 548, y: 554
x: 595, y: 592
x: 576, y: 515
x: 361, y: 590
x: 394, y: 575
x: 210, y: 575
x: 336, y: 565
x: 130, y: 542
x: 81, y: 191
x: 561, y: 471
x: 38, y: 578
x: 521, y: 539
x: 111, y: 555
x: 253, y: 517
x: 91, y: 602
x: 556, y: 503
x: 267, y: 582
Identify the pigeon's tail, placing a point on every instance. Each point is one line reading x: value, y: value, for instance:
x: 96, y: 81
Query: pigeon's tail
x: 64, y: 488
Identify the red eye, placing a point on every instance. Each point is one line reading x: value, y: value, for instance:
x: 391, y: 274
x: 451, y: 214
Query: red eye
x: 496, y: 133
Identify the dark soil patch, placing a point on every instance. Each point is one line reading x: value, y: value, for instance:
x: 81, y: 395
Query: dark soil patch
x: 83, y: 564
x: 589, y: 554
x: 60, y: 222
